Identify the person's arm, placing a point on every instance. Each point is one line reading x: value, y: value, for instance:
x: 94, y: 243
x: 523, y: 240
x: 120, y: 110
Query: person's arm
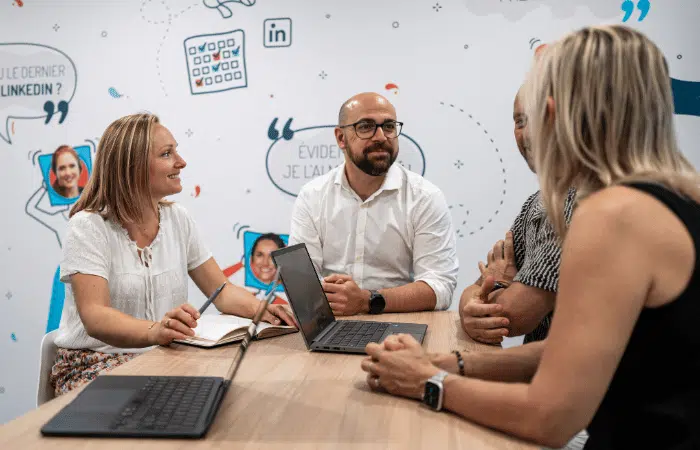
x: 605, y: 279
x: 303, y: 230
x: 435, y: 268
x: 524, y: 306
x: 434, y: 260
x: 208, y: 276
x: 113, y: 327
x: 511, y: 365
x: 85, y: 266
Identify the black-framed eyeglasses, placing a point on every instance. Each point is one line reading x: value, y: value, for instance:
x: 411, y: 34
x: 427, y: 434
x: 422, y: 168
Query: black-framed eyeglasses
x: 366, y: 129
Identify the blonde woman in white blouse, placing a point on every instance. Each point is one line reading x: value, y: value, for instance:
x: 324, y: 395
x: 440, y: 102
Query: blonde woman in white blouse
x: 127, y: 257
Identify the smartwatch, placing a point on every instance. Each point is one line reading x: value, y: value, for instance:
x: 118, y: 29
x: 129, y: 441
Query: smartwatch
x: 433, y: 392
x: 376, y: 302
x: 500, y: 285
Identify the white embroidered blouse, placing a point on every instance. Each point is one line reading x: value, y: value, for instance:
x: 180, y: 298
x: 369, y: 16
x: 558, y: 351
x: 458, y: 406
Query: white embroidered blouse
x: 144, y: 285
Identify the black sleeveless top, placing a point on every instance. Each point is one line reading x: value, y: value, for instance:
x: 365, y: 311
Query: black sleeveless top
x: 653, y: 401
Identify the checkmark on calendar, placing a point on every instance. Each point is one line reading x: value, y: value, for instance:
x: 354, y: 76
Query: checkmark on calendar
x: 199, y: 82
x: 216, y: 56
x: 203, y: 47
x: 215, y: 68
x: 236, y: 51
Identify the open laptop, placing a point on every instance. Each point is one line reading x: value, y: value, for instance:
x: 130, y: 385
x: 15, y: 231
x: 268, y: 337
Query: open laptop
x: 313, y: 312
x: 157, y: 406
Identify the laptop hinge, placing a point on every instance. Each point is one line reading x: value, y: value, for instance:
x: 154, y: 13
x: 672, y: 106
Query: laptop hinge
x: 323, y: 334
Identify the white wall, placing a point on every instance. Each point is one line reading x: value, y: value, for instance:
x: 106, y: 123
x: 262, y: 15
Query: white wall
x: 472, y: 54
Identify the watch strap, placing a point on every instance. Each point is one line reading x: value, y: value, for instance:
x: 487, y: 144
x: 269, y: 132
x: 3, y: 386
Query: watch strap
x: 439, y: 377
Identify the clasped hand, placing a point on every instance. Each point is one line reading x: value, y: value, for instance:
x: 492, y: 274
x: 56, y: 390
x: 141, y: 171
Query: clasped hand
x: 399, y: 365
x: 480, y: 314
x: 345, y: 296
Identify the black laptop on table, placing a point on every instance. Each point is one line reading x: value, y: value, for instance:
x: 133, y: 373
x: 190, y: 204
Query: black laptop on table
x: 156, y: 407
x: 313, y: 312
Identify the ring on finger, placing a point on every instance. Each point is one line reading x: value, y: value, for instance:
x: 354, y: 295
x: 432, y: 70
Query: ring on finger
x: 167, y: 323
x: 376, y: 383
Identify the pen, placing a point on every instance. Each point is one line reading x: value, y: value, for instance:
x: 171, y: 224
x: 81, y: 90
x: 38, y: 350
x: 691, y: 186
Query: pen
x: 211, y: 298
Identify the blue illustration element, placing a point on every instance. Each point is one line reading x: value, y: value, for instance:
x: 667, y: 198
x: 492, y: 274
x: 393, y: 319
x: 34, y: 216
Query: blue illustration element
x: 628, y: 8
x: 277, y: 32
x: 51, y: 109
x: 251, y: 280
x: 42, y: 95
x: 686, y: 97
x: 113, y: 92
x: 220, y: 53
x: 58, y: 296
x: 45, y: 164
x: 293, y: 160
x: 13, y: 337
x: 223, y: 8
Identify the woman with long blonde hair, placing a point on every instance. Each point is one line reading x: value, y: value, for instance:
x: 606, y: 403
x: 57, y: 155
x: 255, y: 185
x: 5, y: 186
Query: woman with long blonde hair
x: 128, y: 255
x: 622, y: 357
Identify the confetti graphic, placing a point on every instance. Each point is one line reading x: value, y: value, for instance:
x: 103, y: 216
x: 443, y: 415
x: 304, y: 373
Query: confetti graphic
x: 197, y: 191
x: 392, y: 87
x: 113, y: 93
x: 13, y: 337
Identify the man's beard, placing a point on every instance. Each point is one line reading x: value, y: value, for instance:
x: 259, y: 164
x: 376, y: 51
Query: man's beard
x: 376, y: 168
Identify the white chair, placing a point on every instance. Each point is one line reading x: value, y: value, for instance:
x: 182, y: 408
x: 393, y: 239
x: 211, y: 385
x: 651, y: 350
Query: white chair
x: 45, y: 391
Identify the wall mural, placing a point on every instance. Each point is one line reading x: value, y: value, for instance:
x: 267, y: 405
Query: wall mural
x: 251, y: 92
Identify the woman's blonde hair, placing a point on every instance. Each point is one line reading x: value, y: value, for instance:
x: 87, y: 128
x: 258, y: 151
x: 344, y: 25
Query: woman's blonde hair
x: 119, y: 186
x: 613, y: 117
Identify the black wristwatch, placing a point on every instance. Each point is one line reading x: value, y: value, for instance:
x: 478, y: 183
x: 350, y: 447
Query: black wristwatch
x: 433, y: 394
x: 376, y: 302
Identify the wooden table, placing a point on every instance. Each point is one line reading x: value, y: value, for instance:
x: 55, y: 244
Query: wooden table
x: 287, y: 397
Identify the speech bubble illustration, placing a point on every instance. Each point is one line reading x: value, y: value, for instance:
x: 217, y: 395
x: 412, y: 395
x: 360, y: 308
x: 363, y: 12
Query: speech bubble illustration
x: 295, y: 157
x: 36, y: 81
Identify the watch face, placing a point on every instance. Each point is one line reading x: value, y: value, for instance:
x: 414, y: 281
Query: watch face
x: 431, y: 395
x: 376, y: 303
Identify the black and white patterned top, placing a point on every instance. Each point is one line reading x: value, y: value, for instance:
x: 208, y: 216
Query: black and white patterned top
x: 537, y: 251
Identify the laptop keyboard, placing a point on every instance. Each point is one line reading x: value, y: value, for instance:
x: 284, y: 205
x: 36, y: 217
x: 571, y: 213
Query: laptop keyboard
x: 166, y: 403
x: 357, y: 334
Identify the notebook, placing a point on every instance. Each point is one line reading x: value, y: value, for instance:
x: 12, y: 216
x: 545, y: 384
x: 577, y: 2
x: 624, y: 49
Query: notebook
x: 217, y: 329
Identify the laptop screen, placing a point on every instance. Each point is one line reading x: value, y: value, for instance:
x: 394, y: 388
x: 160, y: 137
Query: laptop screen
x: 304, y: 290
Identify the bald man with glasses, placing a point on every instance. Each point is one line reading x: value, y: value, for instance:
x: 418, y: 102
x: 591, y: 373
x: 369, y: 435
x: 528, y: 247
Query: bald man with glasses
x: 381, y: 236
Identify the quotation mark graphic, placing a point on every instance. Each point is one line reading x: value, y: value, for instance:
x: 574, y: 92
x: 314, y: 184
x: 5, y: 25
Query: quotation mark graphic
x: 287, y: 132
x: 50, y: 109
x: 628, y: 8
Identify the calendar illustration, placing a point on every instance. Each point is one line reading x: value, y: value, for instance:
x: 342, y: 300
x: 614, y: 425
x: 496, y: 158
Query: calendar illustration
x: 216, y: 62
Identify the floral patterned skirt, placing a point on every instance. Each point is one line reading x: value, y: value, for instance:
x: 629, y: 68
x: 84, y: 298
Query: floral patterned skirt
x: 74, y: 368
